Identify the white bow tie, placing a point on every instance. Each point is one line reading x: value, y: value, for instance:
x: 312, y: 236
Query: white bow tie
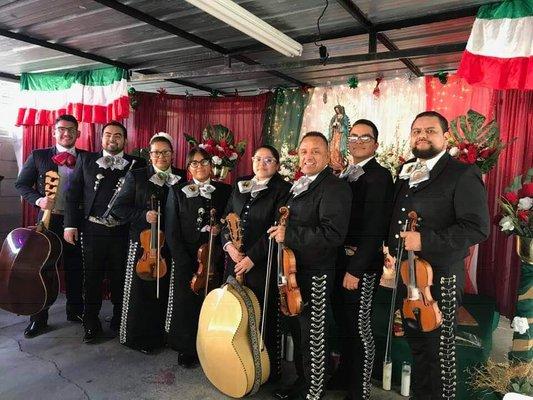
x: 301, y: 185
x: 251, y: 187
x: 194, y: 190
x: 416, y: 172
x: 113, y: 162
x: 352, y: 172
x: 164, y: 178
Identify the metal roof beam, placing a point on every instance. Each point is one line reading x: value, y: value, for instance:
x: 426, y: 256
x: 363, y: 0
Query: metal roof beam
x: 245, y: 69
x: 165, y: 26
x: 89, y: 56
x: 9, y: 77
x: 356, y: 12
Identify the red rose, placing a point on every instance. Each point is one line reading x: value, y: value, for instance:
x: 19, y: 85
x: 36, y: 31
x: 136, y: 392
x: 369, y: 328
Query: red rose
x: 486, y: 153
x: 527, y: 190
x: 511, y: 197
x: 401, y: 159
x: 293, y: 152
x: 298, y: 174
x: 211, y: 142
x: 223, y: 143
x: 471, y: 155
x: 227, y: 151
x: 461, y: 146
x: 523, y: 215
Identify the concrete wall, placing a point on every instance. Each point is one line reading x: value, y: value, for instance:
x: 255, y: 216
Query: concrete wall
x: 10, y: 206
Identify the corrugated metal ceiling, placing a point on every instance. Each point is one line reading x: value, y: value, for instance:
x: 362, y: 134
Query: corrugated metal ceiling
x: 91, y: 27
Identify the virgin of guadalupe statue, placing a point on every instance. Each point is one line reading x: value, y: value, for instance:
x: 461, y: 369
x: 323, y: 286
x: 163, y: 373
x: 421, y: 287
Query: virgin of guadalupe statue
x: 339, y: 128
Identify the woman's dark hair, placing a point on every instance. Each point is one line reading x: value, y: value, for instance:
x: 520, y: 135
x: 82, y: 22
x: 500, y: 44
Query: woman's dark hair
x: 197, y: 150
x: 161, y: 140
x: 274, y: 152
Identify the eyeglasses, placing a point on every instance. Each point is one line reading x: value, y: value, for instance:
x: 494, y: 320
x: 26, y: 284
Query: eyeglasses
x: 264, y: 160
x: 360, y: 139
x: 63, y: 129
x: 157, y: 154
x: 203, y: 162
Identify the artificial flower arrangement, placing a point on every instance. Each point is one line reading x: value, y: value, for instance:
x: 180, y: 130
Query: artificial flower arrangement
x: 516, y: 206
x: 288, y: 164
x: 392, y: 156
x: 474, y: 142
x: 219, y: 142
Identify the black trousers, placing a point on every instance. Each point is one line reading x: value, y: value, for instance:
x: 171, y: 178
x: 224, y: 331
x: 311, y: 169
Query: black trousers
x: 309, y: 331
x: 71, y: 260
x: 433, y: 373
x: 104, y: 253
x: 352, y: 311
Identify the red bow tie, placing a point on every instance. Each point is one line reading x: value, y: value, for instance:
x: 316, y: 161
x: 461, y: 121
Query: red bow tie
x: 64, y: 158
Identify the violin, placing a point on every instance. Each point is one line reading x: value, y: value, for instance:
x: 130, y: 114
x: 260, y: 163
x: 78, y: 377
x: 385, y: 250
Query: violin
x: 420, y: 310
x: 289, y: 292
x: 205, y: 273
x: 152, y: 266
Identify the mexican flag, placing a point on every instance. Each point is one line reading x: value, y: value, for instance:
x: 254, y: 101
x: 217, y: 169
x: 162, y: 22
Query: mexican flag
x: 500, y: 48
x: 95, y: 96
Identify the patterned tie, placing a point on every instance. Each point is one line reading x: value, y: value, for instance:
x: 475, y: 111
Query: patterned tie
x: 251, y: 186
x: 194, y: 190
x: 352, y: 172
x: 113, y: 162
x: 164, y: 178
x: 416, y: 172
x: 300, y: 185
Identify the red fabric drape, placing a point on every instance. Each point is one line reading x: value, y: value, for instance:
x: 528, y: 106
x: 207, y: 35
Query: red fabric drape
x: 456, y: 97
x: 41, y: 136
x: 177, y: 115
x: 499, y: 267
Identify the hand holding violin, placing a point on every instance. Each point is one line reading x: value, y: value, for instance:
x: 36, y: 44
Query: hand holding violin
x: 151, y: 217
x: 413, y: 241
x: 277, y: 233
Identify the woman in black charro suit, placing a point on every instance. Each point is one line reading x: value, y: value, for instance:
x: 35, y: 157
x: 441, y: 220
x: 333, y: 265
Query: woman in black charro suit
x: 256, y: 200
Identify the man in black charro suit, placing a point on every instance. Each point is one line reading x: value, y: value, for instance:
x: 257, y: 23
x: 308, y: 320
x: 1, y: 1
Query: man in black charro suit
x: 104, y: 242
x: 361, y: 260
x: 318, y: 222
x: 60, y: 158
x: 451, y: 202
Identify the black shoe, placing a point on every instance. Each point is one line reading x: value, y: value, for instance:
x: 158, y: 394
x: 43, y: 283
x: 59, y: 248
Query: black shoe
x: 74, y: 317
x: 92, y: 330
x: 35, y: 328
x: 145, y: 349
x: 187, y: 361
x: 290, y: 392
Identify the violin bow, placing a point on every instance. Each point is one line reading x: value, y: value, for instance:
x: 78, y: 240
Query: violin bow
x: 267, y: 287
x: 212, y: 220
x: 387, y: 362
x: 158, y: 251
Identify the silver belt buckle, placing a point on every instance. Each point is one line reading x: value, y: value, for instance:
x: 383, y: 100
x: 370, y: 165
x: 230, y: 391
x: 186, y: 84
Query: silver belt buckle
x: 110, y: 223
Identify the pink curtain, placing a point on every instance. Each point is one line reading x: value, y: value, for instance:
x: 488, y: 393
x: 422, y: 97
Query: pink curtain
x: 177, y: 115
x: 499, y: 266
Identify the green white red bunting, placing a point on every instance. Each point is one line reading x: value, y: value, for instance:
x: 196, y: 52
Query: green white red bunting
x: 500, y: 48
x: 95, y: 96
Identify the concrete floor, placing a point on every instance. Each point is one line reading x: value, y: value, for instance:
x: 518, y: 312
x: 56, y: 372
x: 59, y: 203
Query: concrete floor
x: 57, y: 365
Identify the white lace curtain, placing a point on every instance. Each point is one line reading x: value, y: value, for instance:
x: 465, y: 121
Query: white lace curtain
x: 400, y: 100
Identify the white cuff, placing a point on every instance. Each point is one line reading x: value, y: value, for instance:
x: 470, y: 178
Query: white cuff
x: 38, y: 201
x: 70, y: 229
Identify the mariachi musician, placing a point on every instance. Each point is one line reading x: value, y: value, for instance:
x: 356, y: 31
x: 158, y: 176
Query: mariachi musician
x: 450, y: 199
x: 361, y: 260
x: 145, y: 301
x: 256, y: 200
x: 104, y: 242
x: 190, y: 229
x: 320, y: 206
x: 30, y: 184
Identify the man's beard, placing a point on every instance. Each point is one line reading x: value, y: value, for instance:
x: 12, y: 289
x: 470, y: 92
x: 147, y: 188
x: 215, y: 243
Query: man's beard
x: 427, y: 153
